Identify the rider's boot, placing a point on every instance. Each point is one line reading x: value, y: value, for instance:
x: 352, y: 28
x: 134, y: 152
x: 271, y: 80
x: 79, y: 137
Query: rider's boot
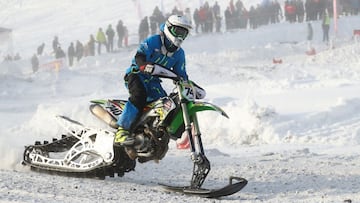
x: 123, y: 137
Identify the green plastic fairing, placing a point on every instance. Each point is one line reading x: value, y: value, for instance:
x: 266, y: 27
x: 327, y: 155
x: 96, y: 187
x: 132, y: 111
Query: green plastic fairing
x: 192, y: 109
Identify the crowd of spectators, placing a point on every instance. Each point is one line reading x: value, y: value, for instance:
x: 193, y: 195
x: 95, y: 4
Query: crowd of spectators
x: 207, y: 19
x: 9, y: 57
x: 77, y: 50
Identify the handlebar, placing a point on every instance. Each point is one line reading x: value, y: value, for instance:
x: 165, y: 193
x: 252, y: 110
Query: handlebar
x: 163, y: 72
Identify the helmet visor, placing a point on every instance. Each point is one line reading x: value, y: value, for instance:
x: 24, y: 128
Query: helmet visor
x: 178, y: 31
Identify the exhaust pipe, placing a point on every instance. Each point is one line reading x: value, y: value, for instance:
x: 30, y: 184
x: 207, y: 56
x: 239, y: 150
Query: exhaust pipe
x: 102, y: 114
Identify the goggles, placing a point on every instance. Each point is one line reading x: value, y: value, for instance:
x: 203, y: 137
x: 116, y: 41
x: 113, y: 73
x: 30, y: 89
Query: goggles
x: 177, y: 31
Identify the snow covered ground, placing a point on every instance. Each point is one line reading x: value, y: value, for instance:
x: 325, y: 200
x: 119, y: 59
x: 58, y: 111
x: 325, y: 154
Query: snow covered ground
x: 294, y: 127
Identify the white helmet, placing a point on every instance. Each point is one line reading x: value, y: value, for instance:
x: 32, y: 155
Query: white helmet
x: 176, y: 29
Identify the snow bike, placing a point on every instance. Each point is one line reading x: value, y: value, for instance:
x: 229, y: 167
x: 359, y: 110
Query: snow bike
x: 90, y: 152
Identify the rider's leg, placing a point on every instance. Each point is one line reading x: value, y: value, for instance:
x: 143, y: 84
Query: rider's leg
x: 132, y: 109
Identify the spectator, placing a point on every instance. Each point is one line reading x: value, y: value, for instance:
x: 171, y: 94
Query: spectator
x: 91, y: 46
x: 143, y: 29
x: 228, y: 18
x: 309, y: 10
x: 55, y: 44
x: 290, y: 11
x: 79, y: 50
x: 196, y: 20
x: 202, y: 18
x: 71, y: 54
x: 17, y: 57
x: 101, y: 39
x: 209, y: 18
x: 34, y: 63
x: 40, y: 49
x: 300, y: 10
x: 8, y: 58
x: 59, y: 53
x: 252, y: 18
x: 120, y: 32
x: 277, y: 11
x: 158, y: 17
x: 309, y: 34
x: 110, y: 33
x: 326, y: 26
x: 216, y: 13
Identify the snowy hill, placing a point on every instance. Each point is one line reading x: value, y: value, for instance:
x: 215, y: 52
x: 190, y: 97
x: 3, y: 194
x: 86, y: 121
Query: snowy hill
x: 294, y: 127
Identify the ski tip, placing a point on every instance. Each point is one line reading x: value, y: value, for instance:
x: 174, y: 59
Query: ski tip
x: 238, y: 179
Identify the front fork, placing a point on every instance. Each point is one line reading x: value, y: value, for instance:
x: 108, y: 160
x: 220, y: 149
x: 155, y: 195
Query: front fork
x: 201, y: 164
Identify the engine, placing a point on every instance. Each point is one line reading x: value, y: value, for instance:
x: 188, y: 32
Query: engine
x: 151, y: 144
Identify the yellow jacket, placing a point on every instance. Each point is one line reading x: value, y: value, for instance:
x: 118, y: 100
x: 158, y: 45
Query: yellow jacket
x: 100, y: 37
x: 326, y: 19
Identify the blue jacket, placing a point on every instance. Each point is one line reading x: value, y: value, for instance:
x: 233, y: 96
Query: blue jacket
x: 151, y: 48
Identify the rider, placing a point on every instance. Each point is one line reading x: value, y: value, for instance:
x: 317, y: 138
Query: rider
x: 161, y: 49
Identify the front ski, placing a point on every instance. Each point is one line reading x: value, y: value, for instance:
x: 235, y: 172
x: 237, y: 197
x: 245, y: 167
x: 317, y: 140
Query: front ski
x: 229, y: 189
